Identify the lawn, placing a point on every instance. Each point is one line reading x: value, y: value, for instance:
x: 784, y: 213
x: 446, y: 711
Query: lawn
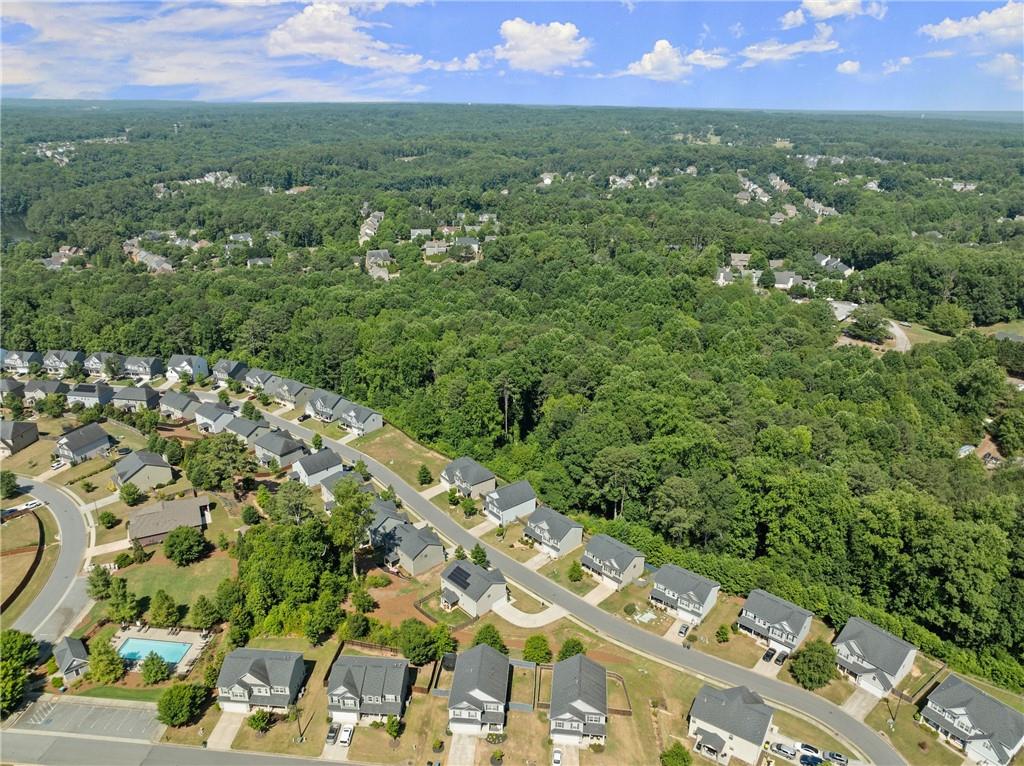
x: 740, y: 649
x: 75, y: 473
x: 15, y: 569
x: 426, y: 718
x: 18, y: 533
x: 918, y: 744
x: 918, y: 334
x: 837, y: 691
x: 509, y: 542
x: 183, y: 584
x: 102, y: 485
x: 33, y: 460
x: 432, y: 606
x: 1016, y: 327
x: 119, y: 530
x: 125, y: 435
x: 400, y: 453
x: 524, y: 681
x: 43, y: 571
x: 558, y: 570
x: 646, y: 616
x: 468, y: 522
x: 151, y: 694
x: 524, y: 602
x: 527, y: 741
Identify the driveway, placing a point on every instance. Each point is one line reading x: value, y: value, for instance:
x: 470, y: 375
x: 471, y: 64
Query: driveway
x: 430, y: 492
x: 224, y: 732
x: 336, y: 752
x: 462, y: 750
x: 599, y: 594
x: 89, y: 718
x: 767, y: 669
x: 860, y: 703
x: 537, y: 561
x: 570, y: 754
x: 483, y: 528
x: 900, y: 340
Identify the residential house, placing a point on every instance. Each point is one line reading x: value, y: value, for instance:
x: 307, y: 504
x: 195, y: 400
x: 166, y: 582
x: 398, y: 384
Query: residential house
x: 469, y: 477
x: 381, y: 265
x: 144, y: 367
x: 472, y: 244
x: 287, y: 391
x: 724, y: 277
x: 277, y: 446
x: 739, y: 260
x: 213, y: 417
x: 367, y: 688
x: 435, y: 247
x: 386, y: 517
x: 874, y: 659
x: 83, y: 443
x: 555, y: 533
x: 9, y: 387
x: 777, y: 219
x: 245, y: 238
x: 314, y: 468
x: 259, y: 679
x: 187, y: 367
x: 90, y: 394
x: 579, y: 702
x: 248, y: 431
x: 345, y: 473
x: 990, y: 732
x: 150, y: 524
x: 179, y: 406
x: 729, y: 723
x: 257, y: 379
x: 15, y: 435
x: 155, y: 264
x: 769, y: 618
x: 57, y: 361
x: 40, y: 389
x: 323, y: 405
x: 358, y: 419
x: 19, y: 362
x: 227, y: 370
x: 144, y: 469
x: 96, y: 364
x: 257, y: 262
x: 478, y: 699
x: 833, y: 265
x: 612, y: 560
x: 136, y: 398
x: 413, y: 233
x: 72, y: 658
x: 472, y: 588
x: 784, y: 280
x: 513, y: 501
x: 686, y: 594
x: 413, y: 549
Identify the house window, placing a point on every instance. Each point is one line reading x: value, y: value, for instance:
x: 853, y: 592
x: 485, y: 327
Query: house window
x: 261, y: 691
x: 390, y: 698
x: 595, y: 719
x: 492, y: 707
x: 349, y: 702
x: 280, y: 690
x: 238, y: 694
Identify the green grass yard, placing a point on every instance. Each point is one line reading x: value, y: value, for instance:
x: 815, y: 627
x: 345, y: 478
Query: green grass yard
x: 33, y: 460
x: 646, y: 616
x: 432, y: 606
x: 509, y: 543
x: 917, y: 743
x: 468, y: 522
x: 183, y: 584
x: 740, y: 649
x: 43, y: 571
x: 558, y: 571
x: 399, y: 452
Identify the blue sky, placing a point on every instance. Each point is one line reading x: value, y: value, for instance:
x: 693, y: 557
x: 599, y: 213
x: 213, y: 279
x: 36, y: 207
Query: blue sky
x: 803, y: 54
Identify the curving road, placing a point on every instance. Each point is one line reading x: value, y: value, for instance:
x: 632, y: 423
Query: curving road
x: 64, y: 596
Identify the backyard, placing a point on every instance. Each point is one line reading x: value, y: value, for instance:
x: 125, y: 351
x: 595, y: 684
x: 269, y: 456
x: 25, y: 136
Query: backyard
x: 33, y: 459
x: 646, y: 616
x: 432, y: 606
x: 400, y: 453
x: 740, y: 649
x: 558, y: 571
x: 182, y: 584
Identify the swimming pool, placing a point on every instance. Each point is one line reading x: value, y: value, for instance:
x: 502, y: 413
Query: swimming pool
x: 138, y: 649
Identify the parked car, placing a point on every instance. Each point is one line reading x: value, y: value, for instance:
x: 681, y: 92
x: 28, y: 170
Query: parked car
x: 332, y: 733
x: 56, y: 464
x: 32, y: 504
x: 831, y: 755
x: 683, y: 631
x: 556, y: 758
x: 767, y: 656
x: 123, y: 451
x: 810, y: 760
x: 346, y: 735
x: 784, y: 750
x: 303, y: 418
x: 783, y: 656
x: 809, y: 749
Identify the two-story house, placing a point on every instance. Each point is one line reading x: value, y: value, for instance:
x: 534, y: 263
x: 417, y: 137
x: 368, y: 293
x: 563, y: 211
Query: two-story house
x: 15, y: 435
x: 187, y: 367
x: 259, y: 679
x: 504, y: 505
x: 143, y: 368
x: 83, y: 443
x: 386, y: 517
x: 277, y: 446
x: 357, y: 419
x: 40, y: 389
x: 321, y: 405
x: 365, y: 689
x: 469, y: 477
x: 287, y: 391
x: 875, y: 659
x: 472, y: 588
x: 57, y: 361
x: 179, y: 406
x: 213, y: 417
x: 313, y: 469
x: 686, y: 594
x: 228, y: 370
x: 144, y: 469
x: 257, y: 379
x: 414, y: 549
x: 136, y: 398
x: 247, y: 431
x: 555, y: 533
x: 612, y: 561
x: 782, y: 624
x: 104, y: 363
x: 729, y: 723
x: 90, y: 394
x: 990, y: 732
x: 20, y: 362
x: 9, y: 387
x: 579, y: 702
x: 478, y: 699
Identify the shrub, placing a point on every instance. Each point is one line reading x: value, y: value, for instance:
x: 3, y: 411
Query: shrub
x: 424, y: 477
x: 184, y: 545
x: 677, y: 755
x: 108, y: 520
x: 155, y: 669
x: 571, y: 648
x: 393, y: 727
x: 596, y: 747
x: 130, y: 494
x: 123, y: 559
x: 575, y: 571
x: 250, y: 515
x: 629, y: 609
x: 88, y: 487
x: 57, y: 682
x: 814, y: 665
x: 259, y: 721
x: 377, y: 580
x: 51, y: 666
x: 722, y: 634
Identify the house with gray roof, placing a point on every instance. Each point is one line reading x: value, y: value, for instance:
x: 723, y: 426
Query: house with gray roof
x: 504, y: 505
x: 472, y: 588
x: 875, y: 659
x: 556, y: 533
x: 287, y: 391
x: 40, y: 389
x: 96, y: 364
x: 179, y: 406
x: 259, y: 679
x: 227, y: 370
x: 612, y: 561
x: 989, y: 732
x: 150, y: 524
x: 321, y: 405
x: 136, y: 398
x: 278, y: 446
x: 579, y: 702
x: 729, y: 723
x: 365, y: 689
x: 386, y: 517
x: 345, y: 473
x: 72, y: 658
x: 11, y: 387
x: 187, y: 367
x: 144, y: 367
x: 357, y: 419
x: 469, y: 477
x: 57, y: 361
x: 19, y: 362
x: 15, y: 435
x: 685, y: 594
x: 247, y: 431
x: 783, y: 625
x: 413, y: 233
x: 83, y: 443
x: 90, y: 394
x: 833, y: 265
x: 144, y: 469
x: 314, y: 468
x: 413, y: 549
x: 724, y: 277
x: 213, y: 417
x: 256, y: 379
x: 784, y: 280
x: 380, y: 264
x: 478, y: 699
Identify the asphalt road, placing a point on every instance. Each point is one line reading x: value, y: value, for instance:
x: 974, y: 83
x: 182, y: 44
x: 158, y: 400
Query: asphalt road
x: 64, y: 595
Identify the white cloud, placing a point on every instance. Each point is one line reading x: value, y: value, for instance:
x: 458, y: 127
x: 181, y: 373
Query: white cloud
x: 666, y: 63
x: 848, y: 67
x: 737, y: 30
x: 773, y: 50
x: 792, y: 19
x: 712, y: 59
x: 1003, y: 25
x: 895, y: 65
x: 829, y: 9
x: 1008, y: 67
x: 541, y: 47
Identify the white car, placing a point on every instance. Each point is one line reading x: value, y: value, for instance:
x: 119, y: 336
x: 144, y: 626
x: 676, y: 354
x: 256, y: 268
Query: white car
x: 346, y: 735
x: 556, y: 758
x: 32, y: 504
x: 56, y: 464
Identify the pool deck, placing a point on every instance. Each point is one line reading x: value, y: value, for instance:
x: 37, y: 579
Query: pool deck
x: 194, y: 639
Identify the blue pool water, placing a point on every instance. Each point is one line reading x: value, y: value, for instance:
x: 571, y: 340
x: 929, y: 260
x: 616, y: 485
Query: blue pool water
x: 139, y: 648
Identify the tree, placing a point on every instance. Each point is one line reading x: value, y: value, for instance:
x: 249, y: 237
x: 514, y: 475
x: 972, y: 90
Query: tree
x: 180, y: 704
x: 122, y: 605
x: 767, y: 279
x: 469, y: 508
x: 260, y: 721
x: 108, y: 520
x: 393, y: 727
x: 223, y: 543
x: 249, y: 410
x: 537, y: 649
x: 98, y: 583
x: 357, y: 625
x: 112, y: 368
x: 869, y: 323
x: 453, y: 496
x: 318, y: 442
x: 460, y: 553
x: 250, y: 515
x: 18, y: 654
x: 948, y: 318
x: 184, y: 545
x: 444, y: 641
x: 155, y: 669
x: 814, y: 665
x: 722, y: 634
x: 203, y: 613
x: 16, y: 405
x: 350, y: 517
x: 323, y: 619
x: 361, y: 469
x: 174, y: 452
x: 575, y: 573
x: 363, y: 601
x: 488, y: 634
x: 571, y: 648
x: 677, y: 755
x: 163, y: 611
x: 416, y: 641
x: 8, y: 484
x: 479, y: 556
x: 423, y: 476
x: 106, y: 666
x: 292, y: 503
x: 52, y: 405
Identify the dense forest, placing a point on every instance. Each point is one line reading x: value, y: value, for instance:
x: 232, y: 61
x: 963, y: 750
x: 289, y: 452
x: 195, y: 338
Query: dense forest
x: 589, y: 350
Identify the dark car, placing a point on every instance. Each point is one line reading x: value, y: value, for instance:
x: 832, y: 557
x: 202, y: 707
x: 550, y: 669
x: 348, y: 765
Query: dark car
x: 767, y: 656
x: 783, y: 656
x: 303, y: 418
x: 810, y: 760
x: 809, y: 749
x: 332, y: 733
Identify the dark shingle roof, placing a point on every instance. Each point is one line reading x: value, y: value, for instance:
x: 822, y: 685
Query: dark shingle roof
x: 245, y: 427
x: 481, y: 675
x: 68, y: 651
x: 412, y: 540
x: 776, y: 611
x: 470, y: 470
x: 470, y: 579
x: 166, y: 515
x: 277, y: 443
x: 84, y: 437
x: 738, y: 711
x: 998, y: 722
x: 368, y: 677
x: 267, y: 667
x: 136, y: 461
x: 607, y: 548
x: 685, y: 583
x: 320, y: 461
x: 214, y: 410
x: 511, y: 495
x: 878, y: 647
x: 557, y: 524
x: 578, y: 686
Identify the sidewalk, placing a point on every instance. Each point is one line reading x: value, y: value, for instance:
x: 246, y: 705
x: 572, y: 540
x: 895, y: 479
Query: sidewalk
x: 114, y: 547
x: 483, y: 528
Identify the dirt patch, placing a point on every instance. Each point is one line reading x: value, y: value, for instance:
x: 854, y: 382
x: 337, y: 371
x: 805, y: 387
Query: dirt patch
x: 397, y: 600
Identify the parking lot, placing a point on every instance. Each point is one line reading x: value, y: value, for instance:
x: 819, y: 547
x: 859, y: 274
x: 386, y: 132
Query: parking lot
x: 91, y: 719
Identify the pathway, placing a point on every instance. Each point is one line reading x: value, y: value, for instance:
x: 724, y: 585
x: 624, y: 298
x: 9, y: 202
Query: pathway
x: 599, y: 594
x: 224, y: 732
x: 101, y: 550
x: 462, y: 750
x: 860, y: 703
x: 900, y: 340
x: 526, y: 619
